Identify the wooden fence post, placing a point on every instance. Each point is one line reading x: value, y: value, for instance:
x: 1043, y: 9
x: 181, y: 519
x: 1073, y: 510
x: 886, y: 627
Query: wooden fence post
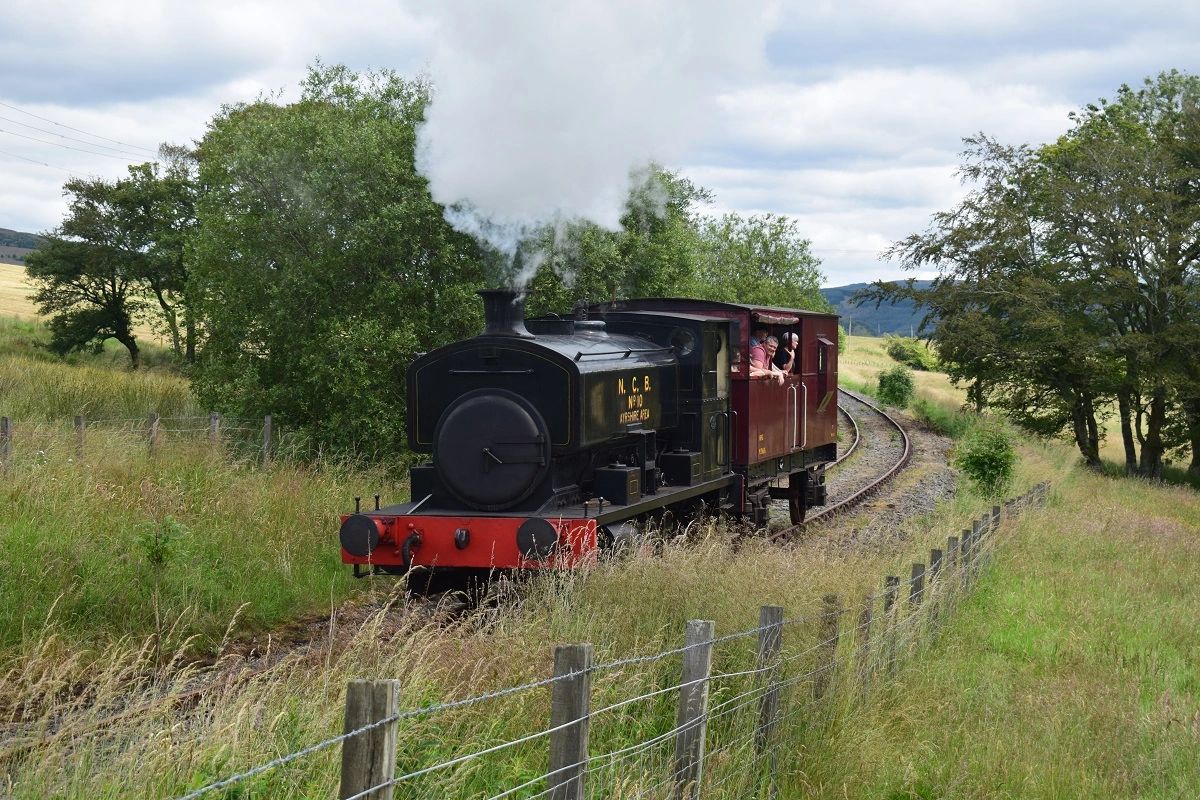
x: 831, y: 612
x: 995, y: 518
x: 692, y: 718
x: 570, y: 701
x: 936, y: 589
x: 5, y: 441
x: 916, y: 587
x: 369, y: 759
x: 863, y: 639
x: 80, y: 432
x: 266, y: 454
x: 964, y: 558
x: 977, y: 551
x: 770, y: 644
x: 214, y: 428
x: 891, y: 614
x: 152, y: 426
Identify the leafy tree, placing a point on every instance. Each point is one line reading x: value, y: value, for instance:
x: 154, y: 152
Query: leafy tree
x: 321, y: 264
x: 1124, y: 196
x: 1069, y: 275
x: 166, y: 201
x: 86, y: 272
x: 653, y: 255
x: 759, y: 259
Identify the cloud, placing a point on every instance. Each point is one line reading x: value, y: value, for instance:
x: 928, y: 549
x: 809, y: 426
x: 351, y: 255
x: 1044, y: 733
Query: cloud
x: 910, y: 114
x: 128, y: 51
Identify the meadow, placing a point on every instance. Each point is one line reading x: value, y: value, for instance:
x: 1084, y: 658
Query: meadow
x: 1070, y: 671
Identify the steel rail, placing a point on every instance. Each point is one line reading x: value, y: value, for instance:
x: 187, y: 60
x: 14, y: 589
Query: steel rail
x: 857, y: 436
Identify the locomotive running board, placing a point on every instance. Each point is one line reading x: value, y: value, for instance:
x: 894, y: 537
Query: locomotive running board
x: 665, y: 496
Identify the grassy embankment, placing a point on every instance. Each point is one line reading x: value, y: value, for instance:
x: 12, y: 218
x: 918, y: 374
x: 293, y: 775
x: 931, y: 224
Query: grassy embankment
x: 79, y: 538
x: 1071, y: 672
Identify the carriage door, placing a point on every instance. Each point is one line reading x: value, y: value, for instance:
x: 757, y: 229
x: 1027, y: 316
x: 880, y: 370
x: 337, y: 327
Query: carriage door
x: 718, y: 423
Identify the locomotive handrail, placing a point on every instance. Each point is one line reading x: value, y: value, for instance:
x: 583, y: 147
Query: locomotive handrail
x: 623, y: 353
x: 794, y: 409
x: 804, y: 416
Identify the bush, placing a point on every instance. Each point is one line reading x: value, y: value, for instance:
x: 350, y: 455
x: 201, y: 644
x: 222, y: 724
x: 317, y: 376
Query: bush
x: 911, y: 352
x: 986, y: 456
x: 843, y: 335
x: 896, y: 386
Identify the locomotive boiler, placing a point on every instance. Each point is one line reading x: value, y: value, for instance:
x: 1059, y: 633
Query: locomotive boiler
x: 545, y: 436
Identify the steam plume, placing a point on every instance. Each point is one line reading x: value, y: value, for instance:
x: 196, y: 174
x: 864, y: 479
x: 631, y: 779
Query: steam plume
x: 544, y: 111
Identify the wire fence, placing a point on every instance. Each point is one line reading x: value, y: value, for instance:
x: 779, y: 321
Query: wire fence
x: 28, y: 442
x: 706, y: 734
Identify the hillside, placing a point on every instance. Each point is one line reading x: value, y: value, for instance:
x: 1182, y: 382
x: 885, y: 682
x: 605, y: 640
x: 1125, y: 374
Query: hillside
x: 18, y: 239
x: 868, y: 320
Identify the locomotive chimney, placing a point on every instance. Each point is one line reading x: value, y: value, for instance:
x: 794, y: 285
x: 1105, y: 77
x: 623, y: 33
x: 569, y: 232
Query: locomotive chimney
x: 504, y: 313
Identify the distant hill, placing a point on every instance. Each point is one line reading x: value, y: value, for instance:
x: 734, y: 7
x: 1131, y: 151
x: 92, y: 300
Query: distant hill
x: 26, y: 241
x: 899, y: 318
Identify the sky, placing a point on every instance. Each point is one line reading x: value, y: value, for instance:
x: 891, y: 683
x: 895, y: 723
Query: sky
x: 848, y: 116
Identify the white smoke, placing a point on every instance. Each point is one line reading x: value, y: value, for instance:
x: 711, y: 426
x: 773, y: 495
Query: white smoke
x: 546, y: 111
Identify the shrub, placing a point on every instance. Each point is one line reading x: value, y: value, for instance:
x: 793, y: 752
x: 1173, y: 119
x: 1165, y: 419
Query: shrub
x: 843, y: 335
x: 896, y: 386
x: 986, y: 456
x: 911, y: 352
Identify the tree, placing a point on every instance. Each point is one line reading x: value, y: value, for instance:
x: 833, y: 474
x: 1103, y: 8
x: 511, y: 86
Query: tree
x: 1011, y: 324
x: 166, y: 200
x: 1125, y: 198
x: 321, y: 264
x: 761, y: 259
x: 86, y: 272
x: 1069, y: 274
x: 654, y: 254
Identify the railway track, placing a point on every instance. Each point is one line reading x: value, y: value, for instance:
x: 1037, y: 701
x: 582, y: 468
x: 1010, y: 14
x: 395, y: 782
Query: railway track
x: 894, y: 456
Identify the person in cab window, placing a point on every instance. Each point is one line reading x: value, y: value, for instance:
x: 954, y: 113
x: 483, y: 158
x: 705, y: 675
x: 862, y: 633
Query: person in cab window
x: 785, y: 356
x: 761, y: 360
x: 758, y: 337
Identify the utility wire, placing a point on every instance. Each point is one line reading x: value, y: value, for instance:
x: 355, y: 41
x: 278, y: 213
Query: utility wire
x: 77, y: 130
x: 35, y: 161
x: 71, y: 138
x: 66, y: 146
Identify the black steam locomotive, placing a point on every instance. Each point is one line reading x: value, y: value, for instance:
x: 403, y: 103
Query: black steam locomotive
x: 546, y: 435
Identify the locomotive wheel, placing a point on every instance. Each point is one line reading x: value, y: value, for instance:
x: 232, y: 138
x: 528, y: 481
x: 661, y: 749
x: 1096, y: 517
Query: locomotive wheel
x: 797, y: 485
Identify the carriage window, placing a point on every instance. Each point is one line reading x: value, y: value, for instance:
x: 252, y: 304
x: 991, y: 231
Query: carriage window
x: 823, y: 345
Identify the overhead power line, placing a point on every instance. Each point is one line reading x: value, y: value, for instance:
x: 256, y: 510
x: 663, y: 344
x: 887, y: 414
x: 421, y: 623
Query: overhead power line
x: 126, y: 159
x: 78, y: 130
x: 72, y: 138
x: 35, y: 161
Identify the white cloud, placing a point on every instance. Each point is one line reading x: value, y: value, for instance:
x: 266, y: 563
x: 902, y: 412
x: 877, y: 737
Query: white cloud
x: 906, y: 114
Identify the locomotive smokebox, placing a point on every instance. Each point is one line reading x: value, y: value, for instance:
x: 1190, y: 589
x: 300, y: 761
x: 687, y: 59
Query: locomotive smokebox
x: 504, y: 313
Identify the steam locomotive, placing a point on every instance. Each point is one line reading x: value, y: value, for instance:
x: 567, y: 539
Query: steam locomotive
x: 548, y: 439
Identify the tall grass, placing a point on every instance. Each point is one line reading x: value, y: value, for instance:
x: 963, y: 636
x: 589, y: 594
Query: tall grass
x: 1073, y: 672
x: 77, y: 536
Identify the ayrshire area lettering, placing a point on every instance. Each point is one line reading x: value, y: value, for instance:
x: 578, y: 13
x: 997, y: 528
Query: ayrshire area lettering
x: 632, y: 392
